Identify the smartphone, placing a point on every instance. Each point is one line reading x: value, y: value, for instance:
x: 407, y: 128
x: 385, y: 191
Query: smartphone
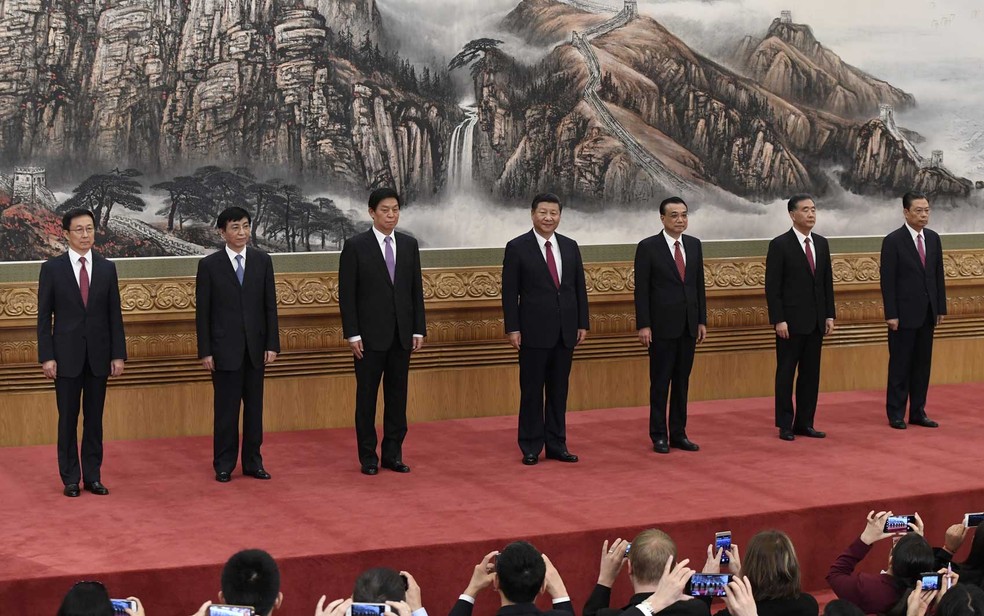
x: 628, y: 546
x: 899, y: 523
x: 931, y: 580
x: 230, y: 610
x: 707, y: 584
x: 368, y: 609
x: 722, y: 541
x: 973, y: 519
x: 121, y: 605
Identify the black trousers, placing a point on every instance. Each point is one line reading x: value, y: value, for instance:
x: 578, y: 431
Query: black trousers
x: 89, y: 391
x: 670, y: 363
x: 797, y: 357
x: 543, y: 383
x: 230, y: 389
x: 392, y: 366
x: 910, y: 359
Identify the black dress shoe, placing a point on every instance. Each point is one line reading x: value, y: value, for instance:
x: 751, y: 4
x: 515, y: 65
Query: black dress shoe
x: 96, y: 488
x: 685, y: 444
x: 71, y: 490
x: 258, y: 473
x: 529, y: 460
x: 786, y: 435
x: 397, y: 467
x: 223, y: 477
x: 370, y: 469
x: 661, y: 446
x: 898, y: 424
x: 810, y: 432
x: 925, y: 422
x: 564, y: 456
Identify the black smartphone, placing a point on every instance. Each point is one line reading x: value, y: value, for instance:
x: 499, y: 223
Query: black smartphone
x: 121, y: 605
x: 707, y: 584
x: 368, y: 609
x: 931, y: 580
x: 722, y: 541
x: 971, y: 520
x: 230, y: 610
x: 899, y: 523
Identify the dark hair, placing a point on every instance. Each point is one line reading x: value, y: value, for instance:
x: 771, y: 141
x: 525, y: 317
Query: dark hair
x: 379, y: 585
x: 795, y: 200
x: 671, y: 201
x: 911, y: 196
x: 962, y: 600
x: 771, y: 566
x: 75, y: 213
x: 251, y: 577
x: 546, y: 198
x: 975, y: 560
x: 86, y: 599
x: 521, y: 570
x: 380, y: 194
x: 232, y: 214
x: 842, y: 607
x: 650, y: 550
x: 911, y: 556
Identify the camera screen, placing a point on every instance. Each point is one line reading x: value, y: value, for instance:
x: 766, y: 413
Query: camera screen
x: 121, y: 605
x: 899, y: 523
x: 368, y: 609
x: 229, y: 610
x: 708, y: 584
x: 931, y: 581
x: 973, y: 519
x: 723, y: 542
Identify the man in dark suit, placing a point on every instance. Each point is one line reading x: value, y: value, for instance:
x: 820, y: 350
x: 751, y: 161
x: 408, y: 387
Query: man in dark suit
x: 80, y: 292
x: 913, y: 290
x: 381, y: 297
x: 656, y: 581
x: 799, y: 290
x: 545, y: 308
x: 238, y: 335
x: 671, y: 315
x: 520, y: 573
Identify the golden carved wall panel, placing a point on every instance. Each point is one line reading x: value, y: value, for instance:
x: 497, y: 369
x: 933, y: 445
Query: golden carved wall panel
x: 734, y: 273
x: 157, y: 296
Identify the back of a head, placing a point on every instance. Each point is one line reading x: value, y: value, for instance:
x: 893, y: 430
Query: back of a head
x: 962, y: 600
x: 379, y: 585
x: 842, y: 607
x: 251, y: 577
x: 520, y: 570
x: 650, y: 550
x: 771, y: 566
x: 911, y: 556
x: 86, y: 599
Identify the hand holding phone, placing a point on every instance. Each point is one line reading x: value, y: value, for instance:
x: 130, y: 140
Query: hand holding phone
x: 899, y: 523
x: 121, y: 605
x: 931, y: 580
x: 707, y: 585
x: 368, y: 609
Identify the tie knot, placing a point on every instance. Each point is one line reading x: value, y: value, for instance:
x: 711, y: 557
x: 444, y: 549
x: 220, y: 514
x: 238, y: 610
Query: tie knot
x: 239, y: 258
x: 676, y: 243
x: 82, y: 260
x: 806, y: 241
x: 547, y: 243
x: 388, y: 239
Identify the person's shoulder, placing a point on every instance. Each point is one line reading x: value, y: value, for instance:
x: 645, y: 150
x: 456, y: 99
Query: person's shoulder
x: 215, y: 257
x: 257, y: 253
x: 54, y: 261
x: 691, y: 240
x: 520, y: 239
x: 564, y: 238
x: 405, y: 237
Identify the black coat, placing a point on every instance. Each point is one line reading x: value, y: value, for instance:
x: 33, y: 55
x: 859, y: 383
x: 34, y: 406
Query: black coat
x: 802, y: 299
x: 907, y: 287
x: 664, y: 302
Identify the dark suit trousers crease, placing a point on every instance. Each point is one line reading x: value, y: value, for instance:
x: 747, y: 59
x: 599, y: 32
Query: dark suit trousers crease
x: 910, y: 359
x: 670, y: 363
x: 797, y: 357
x: 543, y: 383
x: 230, y: 388
x: 392, y: 367
x: 90, y: 390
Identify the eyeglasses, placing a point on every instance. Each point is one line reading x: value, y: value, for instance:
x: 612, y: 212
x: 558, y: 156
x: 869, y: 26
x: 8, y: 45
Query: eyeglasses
x: 83, y: 230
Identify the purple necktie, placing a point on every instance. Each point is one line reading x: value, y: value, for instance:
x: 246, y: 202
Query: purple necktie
x: 921, y: 248
x: 84, y: 282
x: 390, y: 258
x: 809, y: 257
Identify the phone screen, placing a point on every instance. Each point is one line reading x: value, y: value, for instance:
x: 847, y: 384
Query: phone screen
x: 931, y: 581
x: 229, y: 610
x: 723, y: 542
x: 899, y: 523
x: 368, y: 609
x: 121, y: 605
x: 973, y: 519
x: 708, y: 584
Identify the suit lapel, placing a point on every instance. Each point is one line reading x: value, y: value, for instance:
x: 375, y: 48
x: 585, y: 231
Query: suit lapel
x: 669, y: 258
x: 794, y: 242
x: 690, y: 246
x: 910, y: 246
x: 230, y: 271
x: 566, y: 257
x: 252, y: 276
x: 402, y: 257
x: 68, y: 273
x: 534, y: 248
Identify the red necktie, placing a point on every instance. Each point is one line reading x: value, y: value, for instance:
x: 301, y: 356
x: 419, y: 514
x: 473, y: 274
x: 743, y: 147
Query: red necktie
x: 552, y: 265
x: 84, y: 282
x: 678, y: 257
x: 921, y: 248
x: 809, y: 257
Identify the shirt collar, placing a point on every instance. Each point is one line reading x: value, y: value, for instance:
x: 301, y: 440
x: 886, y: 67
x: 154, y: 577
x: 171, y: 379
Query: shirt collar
x: 74, y: 256
x: 233, y: 254
x: 913, y: 232
x: 541, y: 241
x: 670, y: 241
x: 802, y: 237
x: 381, y: 237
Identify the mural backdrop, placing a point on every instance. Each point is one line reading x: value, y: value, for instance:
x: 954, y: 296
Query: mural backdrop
x: 157, y: 114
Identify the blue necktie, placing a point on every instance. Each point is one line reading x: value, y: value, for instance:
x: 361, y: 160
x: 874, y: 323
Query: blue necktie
x: 240, y: 272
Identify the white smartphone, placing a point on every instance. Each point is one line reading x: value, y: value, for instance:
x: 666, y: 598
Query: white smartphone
x: 722, y: 541
x: 973, y: 519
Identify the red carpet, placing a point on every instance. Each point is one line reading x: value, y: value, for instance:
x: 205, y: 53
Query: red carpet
x: 167, y: 528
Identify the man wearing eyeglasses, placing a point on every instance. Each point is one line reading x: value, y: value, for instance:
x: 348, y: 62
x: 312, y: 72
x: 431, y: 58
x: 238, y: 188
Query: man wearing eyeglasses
x: 79, y: 292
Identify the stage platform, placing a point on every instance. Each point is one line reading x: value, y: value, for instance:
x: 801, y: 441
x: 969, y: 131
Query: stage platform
x: 167, y: 528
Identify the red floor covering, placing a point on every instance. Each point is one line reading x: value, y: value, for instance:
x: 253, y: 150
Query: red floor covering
x: 167, y: 527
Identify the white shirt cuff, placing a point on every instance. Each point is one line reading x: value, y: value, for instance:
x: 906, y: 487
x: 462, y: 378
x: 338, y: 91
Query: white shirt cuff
x: 561, y: 600
x: 421, y: 612
x: 468, y: 598
x: 355, y: 338
x: 418, y: 335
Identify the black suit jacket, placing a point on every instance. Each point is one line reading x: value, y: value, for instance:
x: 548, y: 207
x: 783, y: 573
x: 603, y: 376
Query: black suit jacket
x: 597, y: 605
x: 795, y: 295
x: 531, y: 302
x: 907, y: 287
x: 372, y: 305
x: 664, y: 302
x: 232, y: 319
x: 464, y: 608
x: 93, y: 331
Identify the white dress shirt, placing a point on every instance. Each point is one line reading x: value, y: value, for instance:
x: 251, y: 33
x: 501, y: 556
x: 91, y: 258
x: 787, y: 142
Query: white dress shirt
x: 77, y: 265
x: 553, y: 248
x: 914, y: 235
x: 671, y: 243
x: 802, y: 240
x: 232, y: 257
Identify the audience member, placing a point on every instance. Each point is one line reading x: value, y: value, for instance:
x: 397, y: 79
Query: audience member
x: 650, y: 557
x: 251, y: 577
x: 879, y: 593
x: 971, y: 570
x: 519, y: 574
x: 841, y: 607
x: 381, y: 585
x: 92, y: 599
x: 962, y: 600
